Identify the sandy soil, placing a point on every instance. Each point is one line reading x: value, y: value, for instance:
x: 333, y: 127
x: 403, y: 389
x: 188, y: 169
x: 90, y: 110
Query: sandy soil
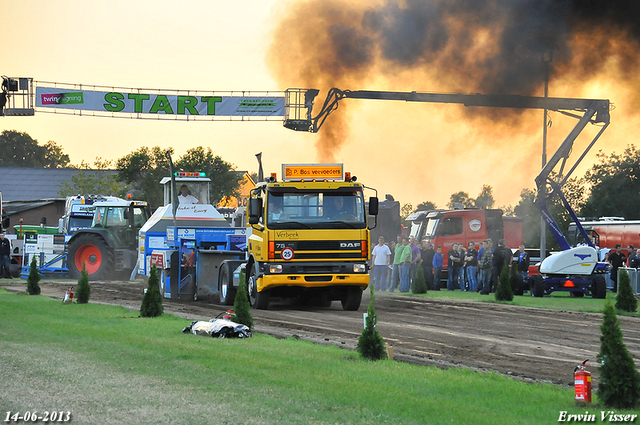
x: 525, y: 343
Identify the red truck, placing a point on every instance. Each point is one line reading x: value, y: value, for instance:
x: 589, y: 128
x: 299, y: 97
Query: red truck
x: 444, y: 228
x: 606, y: 232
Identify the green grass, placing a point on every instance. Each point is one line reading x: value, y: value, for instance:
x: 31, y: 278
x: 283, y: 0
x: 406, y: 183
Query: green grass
x: 107, y: 365
x: 555, y: 301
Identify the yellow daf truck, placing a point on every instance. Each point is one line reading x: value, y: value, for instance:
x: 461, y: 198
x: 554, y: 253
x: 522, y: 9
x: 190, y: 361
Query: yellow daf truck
x: 308, y: 239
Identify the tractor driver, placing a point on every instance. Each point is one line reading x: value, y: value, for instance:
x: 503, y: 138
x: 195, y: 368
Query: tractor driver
x: 185, y: 197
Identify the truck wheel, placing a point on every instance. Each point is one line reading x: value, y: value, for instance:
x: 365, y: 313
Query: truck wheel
x: 258, y: 300
x: 518, y: 285
x: 537, y: 285
x: 92, y: 252
x: 599, y: 287
x: 325, y: 300
x: 351, y: 299
x: 225, y: 286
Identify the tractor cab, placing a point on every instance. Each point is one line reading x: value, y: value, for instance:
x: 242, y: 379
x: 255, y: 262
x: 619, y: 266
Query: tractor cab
x: 110, y: 244
x: 121, y: 219
x: 190, y: 188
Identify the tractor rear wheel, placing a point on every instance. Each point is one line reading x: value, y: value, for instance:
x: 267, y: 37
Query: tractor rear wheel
x: 90, y: 252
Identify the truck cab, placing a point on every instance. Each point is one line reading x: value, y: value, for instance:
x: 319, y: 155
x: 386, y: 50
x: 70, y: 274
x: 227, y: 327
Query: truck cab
x: 309, y: 236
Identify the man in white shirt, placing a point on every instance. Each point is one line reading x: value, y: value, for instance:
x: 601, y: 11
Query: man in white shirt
x: 380, y: 258
x: 185, y: 197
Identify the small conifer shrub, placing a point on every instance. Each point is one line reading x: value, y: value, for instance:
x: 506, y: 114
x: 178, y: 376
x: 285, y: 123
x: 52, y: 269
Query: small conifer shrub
x: 241, y: 305
x: 619, y: 386
x: 84, y: 290
x: 419, y: 284
x: 33, y: 286
x: 371, y: 345
x: 625, y: 300
x: 504, y: 291
x: 152, y: 300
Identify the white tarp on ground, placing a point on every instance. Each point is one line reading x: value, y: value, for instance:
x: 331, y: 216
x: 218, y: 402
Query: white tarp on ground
x: 218, y: 328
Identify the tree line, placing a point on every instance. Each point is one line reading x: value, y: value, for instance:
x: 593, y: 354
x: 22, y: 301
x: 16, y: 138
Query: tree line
x: 611, y: 187
x: 138, y: 173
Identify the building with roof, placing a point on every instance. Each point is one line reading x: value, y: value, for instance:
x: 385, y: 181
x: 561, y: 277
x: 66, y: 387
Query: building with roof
x: 33, y: 194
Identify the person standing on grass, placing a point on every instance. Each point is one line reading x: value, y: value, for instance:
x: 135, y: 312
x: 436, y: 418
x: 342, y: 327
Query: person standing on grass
x: 453, y: 265
x: 5, y: 256
x: 617, y: 259
x: 426, y: 254
x: 380, y: 259
x: 471, y: 265
x: 437, y: 264
x: 635, y: 263
x: 486, y: 268
x: 461, y: 268
x: 396, y: 273
x: 415, y: 258
x: 405, y: 258
x: 631, y: 253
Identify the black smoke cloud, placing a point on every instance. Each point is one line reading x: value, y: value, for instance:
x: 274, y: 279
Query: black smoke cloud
x: 472, y: 46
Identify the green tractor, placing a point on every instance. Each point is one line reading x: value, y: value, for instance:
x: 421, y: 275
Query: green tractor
x: 108, y: 249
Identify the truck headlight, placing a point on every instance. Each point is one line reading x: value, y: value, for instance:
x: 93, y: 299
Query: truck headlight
x: 359, y: 268
x: 275, y: 268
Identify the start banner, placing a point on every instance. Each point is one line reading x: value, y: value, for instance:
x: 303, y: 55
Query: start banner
x: 163, y: 104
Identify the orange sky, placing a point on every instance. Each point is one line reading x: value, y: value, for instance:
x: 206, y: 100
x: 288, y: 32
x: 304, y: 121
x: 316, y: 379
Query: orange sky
x: 417, y: 152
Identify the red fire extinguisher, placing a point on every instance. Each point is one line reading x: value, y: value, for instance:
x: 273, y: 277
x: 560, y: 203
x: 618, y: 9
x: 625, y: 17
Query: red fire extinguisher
x: 582, y: 383
x: 68, y: 296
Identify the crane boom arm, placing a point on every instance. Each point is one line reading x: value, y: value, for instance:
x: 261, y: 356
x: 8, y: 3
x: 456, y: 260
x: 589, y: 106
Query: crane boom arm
x: 594, y: 111
x: 600, y: 106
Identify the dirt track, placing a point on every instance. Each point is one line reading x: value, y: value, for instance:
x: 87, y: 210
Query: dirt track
x: 526, y: 343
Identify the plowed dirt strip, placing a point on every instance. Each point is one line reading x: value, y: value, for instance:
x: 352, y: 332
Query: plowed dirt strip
x: 526, y: 343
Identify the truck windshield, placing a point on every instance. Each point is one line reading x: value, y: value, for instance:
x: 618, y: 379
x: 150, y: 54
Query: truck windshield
x: 430, y: 226
x: 316, y: 210
x: 77, y: 223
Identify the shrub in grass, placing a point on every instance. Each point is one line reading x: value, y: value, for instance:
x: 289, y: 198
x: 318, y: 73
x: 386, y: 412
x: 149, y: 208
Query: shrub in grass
x: 33, y: 286
x: 625, y: 300
x: 152, y: 300
x: 241, y: 305
x: 371, y: 345
x: 419, y: 284
x: 619, y: 379
x: 504, y: 292
x: 84, y: 290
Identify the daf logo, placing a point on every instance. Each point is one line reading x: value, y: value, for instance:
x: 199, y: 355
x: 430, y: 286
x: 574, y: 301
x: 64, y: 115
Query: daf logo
x: 349, y: 245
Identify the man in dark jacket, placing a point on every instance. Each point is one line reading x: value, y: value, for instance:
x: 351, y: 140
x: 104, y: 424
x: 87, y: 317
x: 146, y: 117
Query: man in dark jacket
x: 453, y: 267
x: 617, y: 259
x: 501, y: 255
x: 427, y: 254
x: 5, y: 256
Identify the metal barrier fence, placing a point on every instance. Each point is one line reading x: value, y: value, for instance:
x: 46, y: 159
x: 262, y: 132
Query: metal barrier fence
x: 634, y: 276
